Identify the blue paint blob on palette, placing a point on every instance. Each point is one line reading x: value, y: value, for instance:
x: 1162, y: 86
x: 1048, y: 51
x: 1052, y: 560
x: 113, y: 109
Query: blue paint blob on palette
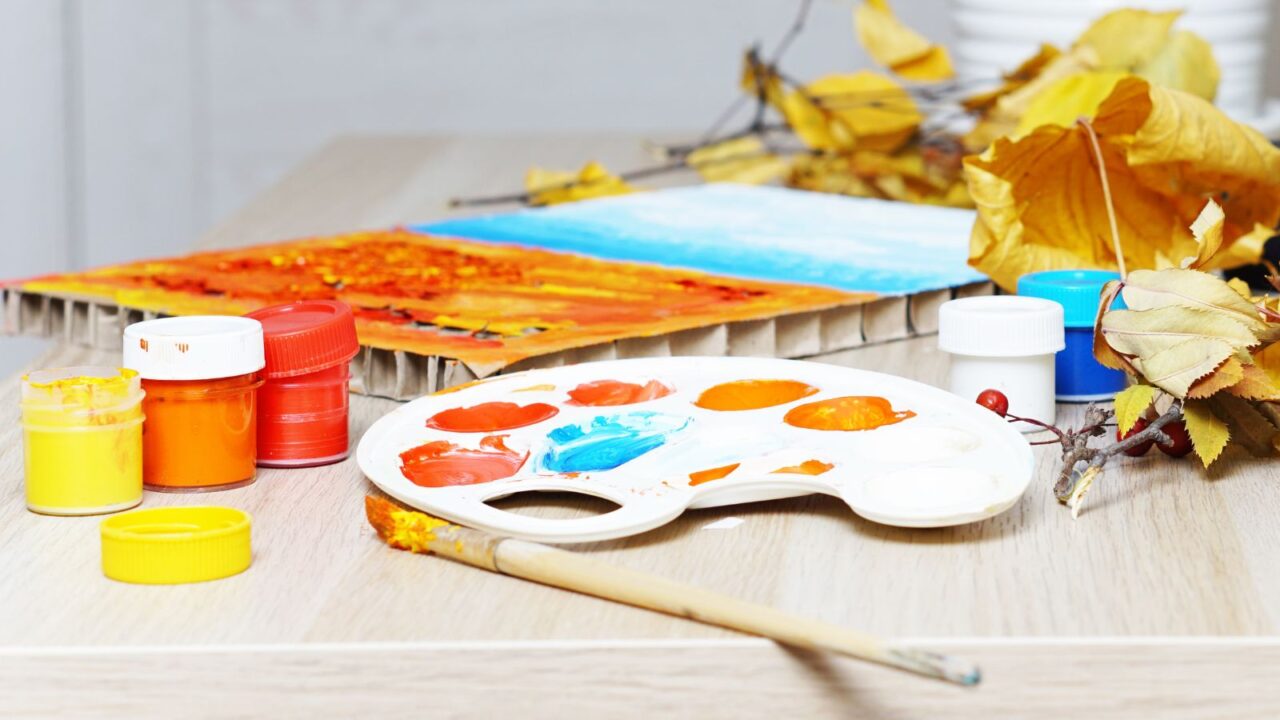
x: 661, y: 436
x: 607, y: 442
x: 762, y: 233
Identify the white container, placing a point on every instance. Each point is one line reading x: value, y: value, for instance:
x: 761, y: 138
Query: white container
x: 1005, y: 343
x: 993, y: 36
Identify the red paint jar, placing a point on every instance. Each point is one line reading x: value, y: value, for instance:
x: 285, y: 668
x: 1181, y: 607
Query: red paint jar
x: 303, y: 405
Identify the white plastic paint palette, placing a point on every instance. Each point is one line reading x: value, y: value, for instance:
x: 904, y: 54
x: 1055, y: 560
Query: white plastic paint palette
x: 931, y: 459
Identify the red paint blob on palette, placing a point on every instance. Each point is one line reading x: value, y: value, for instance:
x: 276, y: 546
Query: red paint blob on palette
x: 442, y: 464
x: 753, y: 394
x: 607, y: 393
x: 491, y: 417
x: 853, y: 412
x: 703, y: 476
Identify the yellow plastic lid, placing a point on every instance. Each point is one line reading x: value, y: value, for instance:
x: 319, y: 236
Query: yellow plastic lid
x: 169, y: 545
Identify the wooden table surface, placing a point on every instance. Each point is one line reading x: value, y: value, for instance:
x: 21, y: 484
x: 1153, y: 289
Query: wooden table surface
x: 1162, y: 598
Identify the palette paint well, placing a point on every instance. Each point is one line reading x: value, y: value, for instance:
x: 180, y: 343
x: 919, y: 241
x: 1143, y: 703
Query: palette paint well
x: 659, y: 436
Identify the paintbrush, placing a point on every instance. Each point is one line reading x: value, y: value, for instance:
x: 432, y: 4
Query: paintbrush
x: 421, y: 533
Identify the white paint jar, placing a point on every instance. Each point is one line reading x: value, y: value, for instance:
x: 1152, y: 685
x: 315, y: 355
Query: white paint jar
x: 1005, y: 343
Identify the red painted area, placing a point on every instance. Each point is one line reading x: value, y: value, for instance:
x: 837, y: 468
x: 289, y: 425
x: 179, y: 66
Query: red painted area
x: 441, y: 463
x: 491, y: 417
x: 602, y: 393
x: 853, y: 412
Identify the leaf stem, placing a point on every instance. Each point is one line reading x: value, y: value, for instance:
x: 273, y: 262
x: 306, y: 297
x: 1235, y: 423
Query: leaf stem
x: 1106, y: 193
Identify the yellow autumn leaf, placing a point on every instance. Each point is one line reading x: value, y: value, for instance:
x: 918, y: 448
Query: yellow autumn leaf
x: 760, y: 80
x: 1185, y: 62
x: 1257, y: 383
x: 1207, y: 230
x: 1174, y: 369
x: 1040, y: 203
x: 1249, y: 428
x: 1209, y: 435
x: 1145, y: 333
x: 1131, y: 403
x: 1065, y: 101
x: 1155, y: 289
x: 741, y: 160
x: 549, y: 187
x: 1005, y: 113
x: 1230, y: 372
x: 865, y: 110
x: 1029, y: 70
x: 1124, y: 39
x: 898, y: 47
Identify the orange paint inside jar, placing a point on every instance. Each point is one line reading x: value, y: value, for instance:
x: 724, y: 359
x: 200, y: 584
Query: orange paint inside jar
x: 200, y: 434
x: 201, y: 375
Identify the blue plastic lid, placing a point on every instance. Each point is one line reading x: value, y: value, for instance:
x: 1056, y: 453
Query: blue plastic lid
x: 1077, y: 291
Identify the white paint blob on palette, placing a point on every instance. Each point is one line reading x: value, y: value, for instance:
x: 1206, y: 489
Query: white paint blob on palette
x: 660, y: 436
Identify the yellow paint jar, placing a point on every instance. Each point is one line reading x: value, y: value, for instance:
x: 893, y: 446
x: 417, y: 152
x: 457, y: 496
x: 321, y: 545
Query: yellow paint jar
x: 82, y: 440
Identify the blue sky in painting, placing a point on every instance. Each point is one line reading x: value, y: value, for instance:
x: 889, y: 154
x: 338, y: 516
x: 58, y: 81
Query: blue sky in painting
x: 753, y: 232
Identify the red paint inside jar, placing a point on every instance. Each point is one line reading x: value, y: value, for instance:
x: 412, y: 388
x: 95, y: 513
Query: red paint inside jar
x: 302, y: 420
x: 302, y: 407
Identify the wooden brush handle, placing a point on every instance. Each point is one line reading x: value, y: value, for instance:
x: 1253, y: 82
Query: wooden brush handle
x: 572, y: 571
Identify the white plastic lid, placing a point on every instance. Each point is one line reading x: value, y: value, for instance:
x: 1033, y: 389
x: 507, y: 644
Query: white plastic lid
x: 1001, y: 326
x: 198, y: 347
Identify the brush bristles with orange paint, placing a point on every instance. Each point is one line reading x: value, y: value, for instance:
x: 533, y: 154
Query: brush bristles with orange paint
x: 421, y: 533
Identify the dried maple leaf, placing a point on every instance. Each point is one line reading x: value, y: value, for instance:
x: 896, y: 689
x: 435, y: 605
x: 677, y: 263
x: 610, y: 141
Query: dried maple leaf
x: 549, y: 187
x: 1053, y: 87
x: 863, y: 110
x: 898, y: 47
x: 741, y: 160
x: 1041, y: 206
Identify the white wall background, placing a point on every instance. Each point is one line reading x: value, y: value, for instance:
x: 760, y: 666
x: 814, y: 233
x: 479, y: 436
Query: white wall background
x: 129, y: 126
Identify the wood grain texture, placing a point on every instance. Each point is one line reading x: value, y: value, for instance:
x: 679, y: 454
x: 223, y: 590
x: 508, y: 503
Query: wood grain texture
x: 1162, y: 549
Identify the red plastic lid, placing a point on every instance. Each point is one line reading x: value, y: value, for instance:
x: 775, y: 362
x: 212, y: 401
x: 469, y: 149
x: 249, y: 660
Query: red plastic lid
x: 304, y: 337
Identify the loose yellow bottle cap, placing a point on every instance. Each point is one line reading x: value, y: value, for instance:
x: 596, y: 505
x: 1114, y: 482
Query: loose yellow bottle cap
x: 169, y: 545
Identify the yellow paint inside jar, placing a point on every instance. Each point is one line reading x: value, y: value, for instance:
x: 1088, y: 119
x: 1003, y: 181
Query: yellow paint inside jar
x: 82, y: 440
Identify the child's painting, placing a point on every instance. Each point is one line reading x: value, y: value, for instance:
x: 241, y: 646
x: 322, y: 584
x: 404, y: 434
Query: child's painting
x: 775, y: 234
x: 492, y: 291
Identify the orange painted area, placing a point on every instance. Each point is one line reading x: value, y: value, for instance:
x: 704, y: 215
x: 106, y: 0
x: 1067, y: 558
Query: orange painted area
x: 487, y: 305
x: 703, y: 476
x: 442, y: 464
x: 602, y: 393
x: 753, y: 394
x: 491, y: 417
x: 853, y: 412
x: 808, y: 467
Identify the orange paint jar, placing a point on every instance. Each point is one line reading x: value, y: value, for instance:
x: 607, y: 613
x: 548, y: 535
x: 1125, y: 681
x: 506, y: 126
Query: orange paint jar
x: 201, y: 375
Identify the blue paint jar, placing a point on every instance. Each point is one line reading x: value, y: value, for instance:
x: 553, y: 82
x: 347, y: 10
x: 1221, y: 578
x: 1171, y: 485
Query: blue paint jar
x: 1079, y: 377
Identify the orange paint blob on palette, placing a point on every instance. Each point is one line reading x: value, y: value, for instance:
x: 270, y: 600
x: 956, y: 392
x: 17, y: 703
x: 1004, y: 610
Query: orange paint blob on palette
x: 443, y: 464
x: 753, y: 394
x: 808, y: 467
x: 491, y: 417
x: 607, y: 393
x: 704, y: 476
x: 853, y: 412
